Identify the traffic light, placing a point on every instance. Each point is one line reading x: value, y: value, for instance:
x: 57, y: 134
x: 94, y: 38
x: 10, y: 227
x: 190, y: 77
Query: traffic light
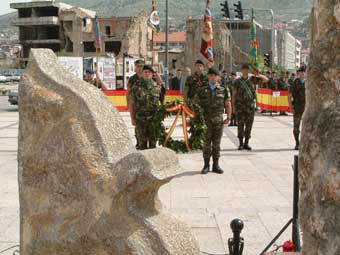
x: 267, y: 59
x: 225, y: 9
x: 239, y: 10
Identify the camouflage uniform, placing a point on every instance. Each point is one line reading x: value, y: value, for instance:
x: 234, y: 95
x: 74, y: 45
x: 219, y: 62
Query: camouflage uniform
x: 100, y: 84
x: 233, y: 120
x: 193, y: 82
x: 245, y: 107
x: 212, y: 103
x: 281, y: 84
x: 129, y: 101
x: 133, y: 80
x: 145, y: 95
x: 297, y: 90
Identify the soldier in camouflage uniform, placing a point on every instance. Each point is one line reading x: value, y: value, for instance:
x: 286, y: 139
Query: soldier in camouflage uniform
x: 146, y: 95
x: 282, y: 85
x: 244, y: 104
x: 233, y: 77
x: 139, y: 64
x: 89, y: 77
x: 198, y: 79
x: 213, y: 98
x: 134, y: 79
x: 297, y: 100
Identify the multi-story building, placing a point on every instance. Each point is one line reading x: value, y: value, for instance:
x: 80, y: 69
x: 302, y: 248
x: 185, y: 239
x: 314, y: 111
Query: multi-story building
x: 288, y: 50
x: 39, y: 25
x: 69, y: 29
x: 227, y: 53
x: 177, y: 40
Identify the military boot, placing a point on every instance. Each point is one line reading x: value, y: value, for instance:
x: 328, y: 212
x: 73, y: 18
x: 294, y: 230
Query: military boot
x: 216, y: 168
x: 206, y: 166
x: 246, y: 146
x: 240, y: 147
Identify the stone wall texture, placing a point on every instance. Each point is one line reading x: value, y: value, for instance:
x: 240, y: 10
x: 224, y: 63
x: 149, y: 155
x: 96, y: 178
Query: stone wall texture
x: 319, y: 161
x: 83, y: 188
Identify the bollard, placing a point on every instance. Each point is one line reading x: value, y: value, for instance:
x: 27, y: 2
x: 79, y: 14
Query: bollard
x: 236, y: 243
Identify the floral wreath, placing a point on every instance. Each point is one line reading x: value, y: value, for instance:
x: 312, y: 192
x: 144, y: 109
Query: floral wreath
x: 197, y: 128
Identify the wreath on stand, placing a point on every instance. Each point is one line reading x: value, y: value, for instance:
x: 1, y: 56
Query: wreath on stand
x: 186, y: 109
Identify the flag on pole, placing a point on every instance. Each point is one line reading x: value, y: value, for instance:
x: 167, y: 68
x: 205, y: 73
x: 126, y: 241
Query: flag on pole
x: 154, y: 21
x: 254, y: 42
x: 207, y: 42
x: 99, y: 42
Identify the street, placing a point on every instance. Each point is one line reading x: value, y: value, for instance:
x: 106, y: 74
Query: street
x: 9, y: 205
x: 257, y: 186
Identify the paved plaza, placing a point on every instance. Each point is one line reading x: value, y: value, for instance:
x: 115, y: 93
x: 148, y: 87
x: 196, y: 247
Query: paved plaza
x: 257, y: 186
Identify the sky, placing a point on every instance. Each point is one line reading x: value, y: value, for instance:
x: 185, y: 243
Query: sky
x: 4, y: 6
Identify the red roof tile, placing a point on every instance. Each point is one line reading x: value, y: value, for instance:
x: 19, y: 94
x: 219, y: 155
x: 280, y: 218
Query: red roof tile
x: 173, y: 37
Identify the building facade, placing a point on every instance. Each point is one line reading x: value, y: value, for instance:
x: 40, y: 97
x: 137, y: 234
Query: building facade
x: 70, y: 30
x: 288, y: 50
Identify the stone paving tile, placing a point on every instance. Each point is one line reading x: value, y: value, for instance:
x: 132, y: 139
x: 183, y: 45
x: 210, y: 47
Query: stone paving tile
x: 256, y: 186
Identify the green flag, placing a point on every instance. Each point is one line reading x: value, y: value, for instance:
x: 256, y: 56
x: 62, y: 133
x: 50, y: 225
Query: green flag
x: 254, y: 43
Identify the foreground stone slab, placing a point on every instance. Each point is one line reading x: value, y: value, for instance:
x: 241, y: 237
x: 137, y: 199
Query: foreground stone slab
x: 83, y: 188
x: 319, y: 161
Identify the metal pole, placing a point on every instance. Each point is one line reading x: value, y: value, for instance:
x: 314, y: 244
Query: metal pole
x: 295, y: 227
x: 166, y: 71
x: 273, y: 36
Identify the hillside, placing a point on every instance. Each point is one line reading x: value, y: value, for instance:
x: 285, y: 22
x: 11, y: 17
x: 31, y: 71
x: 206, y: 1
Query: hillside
x: 284, y: 10
x: 179, y: 10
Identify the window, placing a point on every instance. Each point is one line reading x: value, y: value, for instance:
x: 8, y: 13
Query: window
x: 89, y: 47
x: 108, y: 30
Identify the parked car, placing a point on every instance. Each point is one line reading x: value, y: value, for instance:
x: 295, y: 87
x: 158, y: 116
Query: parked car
x: 13, y: 96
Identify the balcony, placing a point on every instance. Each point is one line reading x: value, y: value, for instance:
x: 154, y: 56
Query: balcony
x: 36, y: 21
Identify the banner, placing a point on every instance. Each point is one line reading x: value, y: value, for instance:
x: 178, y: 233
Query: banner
x: 254, y: 42
x: 273, y: 100
x: 99, y: 42
x: 207, y: 42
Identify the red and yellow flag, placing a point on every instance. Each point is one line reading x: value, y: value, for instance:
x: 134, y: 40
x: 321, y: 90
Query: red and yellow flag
x: 207, y: 42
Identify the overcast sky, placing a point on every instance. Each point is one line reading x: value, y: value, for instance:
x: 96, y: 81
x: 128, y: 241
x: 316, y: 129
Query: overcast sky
x: 4, y: 6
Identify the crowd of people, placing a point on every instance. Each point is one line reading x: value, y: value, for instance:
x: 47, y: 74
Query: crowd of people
x: 217, y: 93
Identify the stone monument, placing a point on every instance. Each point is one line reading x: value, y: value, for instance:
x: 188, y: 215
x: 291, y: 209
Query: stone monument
x: 83, y: 188
x: 319, y: 161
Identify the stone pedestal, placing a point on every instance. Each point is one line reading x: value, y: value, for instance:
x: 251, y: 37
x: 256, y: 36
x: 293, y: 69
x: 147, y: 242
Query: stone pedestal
x: 83, y: 187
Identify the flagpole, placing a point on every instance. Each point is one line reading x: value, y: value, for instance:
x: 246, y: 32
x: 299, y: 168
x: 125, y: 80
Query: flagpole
x: 166, y: 71
x: 153, y: 7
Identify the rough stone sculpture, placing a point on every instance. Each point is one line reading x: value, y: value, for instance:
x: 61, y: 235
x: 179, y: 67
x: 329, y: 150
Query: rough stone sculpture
x: 83, y: 188
x: 319, y: 161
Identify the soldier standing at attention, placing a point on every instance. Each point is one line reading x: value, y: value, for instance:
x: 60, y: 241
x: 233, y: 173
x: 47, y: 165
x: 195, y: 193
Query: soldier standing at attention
x: 199, y: 78
x: 297, y: 100
x: 213, y: 98
x: 244, y: 104
x: 146, y: 95
x: 139, y: 64
x: 233, y: 77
